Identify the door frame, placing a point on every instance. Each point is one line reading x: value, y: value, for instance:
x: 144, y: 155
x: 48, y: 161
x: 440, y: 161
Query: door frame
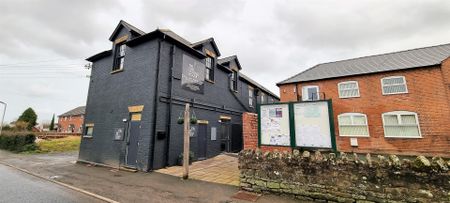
x: 206, y: 141
x: 132, y: 118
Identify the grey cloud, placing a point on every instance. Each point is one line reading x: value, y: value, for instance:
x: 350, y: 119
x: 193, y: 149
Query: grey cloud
x: 273, y: 39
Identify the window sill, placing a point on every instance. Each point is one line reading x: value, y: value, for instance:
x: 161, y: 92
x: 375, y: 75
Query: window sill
x: 349, y: 97
x: 362, y: 136
x: 387, y: 94
x: 87, y: 136
x: 210, y: 81
x: 117, y: 71
x: 407, y: 137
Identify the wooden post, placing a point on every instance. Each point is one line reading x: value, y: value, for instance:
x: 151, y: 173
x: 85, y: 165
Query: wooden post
x: 187, y: 129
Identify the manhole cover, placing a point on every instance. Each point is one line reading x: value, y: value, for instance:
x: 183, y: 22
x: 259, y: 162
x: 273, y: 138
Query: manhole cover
x: 248, y: 196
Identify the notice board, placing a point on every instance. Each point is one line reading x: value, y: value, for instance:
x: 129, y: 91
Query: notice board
x: 274, y: 125
x: 312, y: 124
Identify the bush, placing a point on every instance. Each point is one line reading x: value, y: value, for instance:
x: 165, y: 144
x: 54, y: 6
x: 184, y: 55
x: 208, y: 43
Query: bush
x: 17, y: 141
x: 180, y: 158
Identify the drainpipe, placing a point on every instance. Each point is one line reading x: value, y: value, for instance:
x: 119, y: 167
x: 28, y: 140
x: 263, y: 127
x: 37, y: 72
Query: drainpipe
x: 155, y: 106
x: 296, y: 92
x: 169, y: 116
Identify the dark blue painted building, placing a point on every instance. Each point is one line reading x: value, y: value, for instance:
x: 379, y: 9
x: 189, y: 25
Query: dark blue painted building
x: 138, y: 90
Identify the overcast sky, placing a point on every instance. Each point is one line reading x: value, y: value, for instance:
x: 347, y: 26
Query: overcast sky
x: 43, y: 42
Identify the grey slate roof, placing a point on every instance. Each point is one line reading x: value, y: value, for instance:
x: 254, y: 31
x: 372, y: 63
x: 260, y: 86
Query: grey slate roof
x: 267, y: 91
x: 413, y: 58
x: 175, y: 36
x: 226, y: 59
x: 75, y: 112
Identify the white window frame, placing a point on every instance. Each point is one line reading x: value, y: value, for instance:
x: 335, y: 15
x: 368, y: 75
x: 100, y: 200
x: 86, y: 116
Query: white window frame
x: 351, y: 118
x: 404, y: 80
x: 399, y: 114
x: 305, y: 96
x: 348, y: 82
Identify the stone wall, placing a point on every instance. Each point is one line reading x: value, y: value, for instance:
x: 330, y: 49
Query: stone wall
x: 345, y: 177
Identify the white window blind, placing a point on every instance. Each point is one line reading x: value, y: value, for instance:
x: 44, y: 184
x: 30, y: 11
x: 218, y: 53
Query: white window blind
x: 348, y: 89
x: 394, y: 85
x: 353, y: 124
x: 401, y: 124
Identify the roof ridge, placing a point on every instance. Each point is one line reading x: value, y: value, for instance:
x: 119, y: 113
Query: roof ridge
x: 297, y: 74
x: 394, y: 52
x: 363, y: 57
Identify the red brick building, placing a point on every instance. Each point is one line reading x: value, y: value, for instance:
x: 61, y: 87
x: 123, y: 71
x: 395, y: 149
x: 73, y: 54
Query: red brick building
x: 396, y: 102
x: 71, y: 121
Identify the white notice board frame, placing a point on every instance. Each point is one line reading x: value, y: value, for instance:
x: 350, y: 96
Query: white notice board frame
x: 313, y: 123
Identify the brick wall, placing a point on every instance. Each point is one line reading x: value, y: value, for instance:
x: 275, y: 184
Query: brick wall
x: 250, y: 134
x: 76, y: 121
x: 427, y: 96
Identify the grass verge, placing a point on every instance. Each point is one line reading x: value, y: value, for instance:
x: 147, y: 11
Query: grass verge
x: 71, y: 143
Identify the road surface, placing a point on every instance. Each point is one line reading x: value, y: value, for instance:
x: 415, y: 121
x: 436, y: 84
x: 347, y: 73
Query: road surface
x: 16, y: 186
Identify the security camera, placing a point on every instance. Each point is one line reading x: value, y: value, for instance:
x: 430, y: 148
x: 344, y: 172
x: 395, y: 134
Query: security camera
x: 124, y: 120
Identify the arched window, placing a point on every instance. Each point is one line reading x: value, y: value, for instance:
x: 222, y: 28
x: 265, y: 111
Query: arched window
x: 353, y: 125
x: 401, y: 124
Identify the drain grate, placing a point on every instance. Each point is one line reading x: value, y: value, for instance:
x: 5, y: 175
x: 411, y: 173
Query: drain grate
x: 248, y: 196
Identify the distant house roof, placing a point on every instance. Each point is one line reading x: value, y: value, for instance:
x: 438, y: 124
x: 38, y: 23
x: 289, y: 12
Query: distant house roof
x: 413, y: 58
x: 254, y: 83
x: 75, y: 112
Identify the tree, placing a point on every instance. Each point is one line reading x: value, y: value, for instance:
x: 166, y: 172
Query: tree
x: 52, y: 123
x: 30, y: 117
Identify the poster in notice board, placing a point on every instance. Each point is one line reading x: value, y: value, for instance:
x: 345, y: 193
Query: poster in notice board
x: 192, y: 75
x: 275, y: 125
x: 312, y: 125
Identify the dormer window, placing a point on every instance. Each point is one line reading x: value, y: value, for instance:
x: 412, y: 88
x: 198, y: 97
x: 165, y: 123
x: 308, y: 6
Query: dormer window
x: 209, y: 74
x: 119, y: 57
x: 233, y: 81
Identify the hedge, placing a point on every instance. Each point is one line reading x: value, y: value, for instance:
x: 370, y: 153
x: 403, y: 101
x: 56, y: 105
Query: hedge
x: 18, y: 141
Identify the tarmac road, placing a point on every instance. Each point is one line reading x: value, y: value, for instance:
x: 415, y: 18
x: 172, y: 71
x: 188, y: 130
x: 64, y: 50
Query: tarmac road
x: 16, y: 186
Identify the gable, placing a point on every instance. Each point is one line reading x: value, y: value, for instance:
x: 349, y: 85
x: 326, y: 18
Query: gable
x: 207, y: 46
x: 124, y: 28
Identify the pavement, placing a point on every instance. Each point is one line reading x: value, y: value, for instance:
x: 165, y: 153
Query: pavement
x: 222, y: 169
x: 123, y: 186
x: 17, y: 186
